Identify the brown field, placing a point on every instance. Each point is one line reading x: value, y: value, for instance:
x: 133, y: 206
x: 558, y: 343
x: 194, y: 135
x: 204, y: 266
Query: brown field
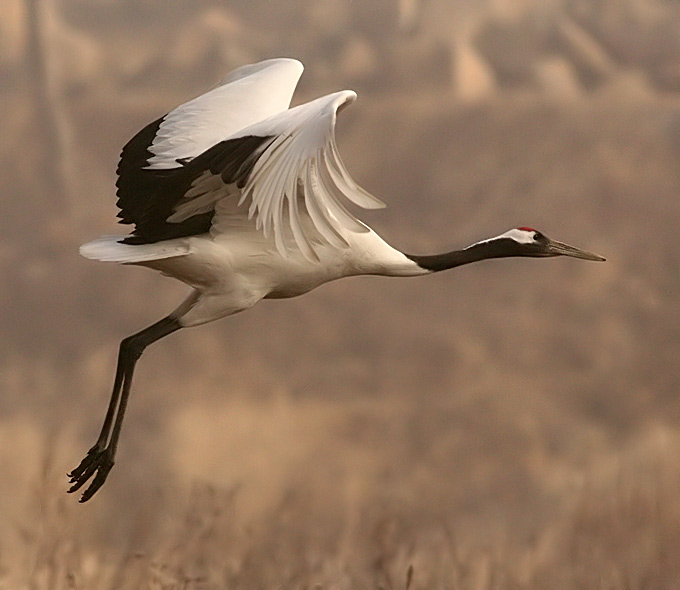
x: 508, y: 425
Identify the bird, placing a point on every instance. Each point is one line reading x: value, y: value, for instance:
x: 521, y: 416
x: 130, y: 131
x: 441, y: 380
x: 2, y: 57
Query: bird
x: 242, y: 197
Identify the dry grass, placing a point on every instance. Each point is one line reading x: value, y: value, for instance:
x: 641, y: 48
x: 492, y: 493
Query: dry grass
x: 620, y: 529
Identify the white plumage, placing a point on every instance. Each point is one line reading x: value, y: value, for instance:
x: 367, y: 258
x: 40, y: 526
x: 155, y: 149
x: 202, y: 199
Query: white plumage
x: 289, y: 211
x: 247, y: 95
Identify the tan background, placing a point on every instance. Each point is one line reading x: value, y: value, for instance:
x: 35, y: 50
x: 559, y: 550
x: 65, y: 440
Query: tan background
x: 512, y: 424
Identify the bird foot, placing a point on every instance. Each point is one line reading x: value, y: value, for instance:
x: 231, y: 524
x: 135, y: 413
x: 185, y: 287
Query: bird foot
x: 97, y: 462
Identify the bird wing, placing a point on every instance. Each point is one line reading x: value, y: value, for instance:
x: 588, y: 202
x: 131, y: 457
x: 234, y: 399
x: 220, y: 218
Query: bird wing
x: 247, y: 95
x: 283, y: 166
x: 153, y: 162
x: 298, y: 169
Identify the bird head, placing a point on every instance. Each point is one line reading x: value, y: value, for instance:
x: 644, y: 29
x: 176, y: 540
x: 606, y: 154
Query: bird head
x: 527, y: 241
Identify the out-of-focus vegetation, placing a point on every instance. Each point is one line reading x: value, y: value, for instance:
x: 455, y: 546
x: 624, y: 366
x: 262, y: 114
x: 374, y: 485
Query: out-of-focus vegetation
x: 513, y: 424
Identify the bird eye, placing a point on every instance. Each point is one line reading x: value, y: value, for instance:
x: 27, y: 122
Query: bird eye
x: 538, y: 236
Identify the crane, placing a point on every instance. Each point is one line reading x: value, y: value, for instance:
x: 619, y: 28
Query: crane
x: 243, y: 198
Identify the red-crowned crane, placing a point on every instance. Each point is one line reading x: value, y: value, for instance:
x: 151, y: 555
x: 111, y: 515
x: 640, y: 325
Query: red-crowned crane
x: 243, y: 198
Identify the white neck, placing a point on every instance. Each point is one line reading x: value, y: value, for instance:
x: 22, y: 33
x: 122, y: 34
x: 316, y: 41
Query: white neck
x: 372, y: 255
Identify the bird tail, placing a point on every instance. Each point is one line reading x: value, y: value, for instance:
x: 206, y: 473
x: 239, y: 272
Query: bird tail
x: 110, y: 249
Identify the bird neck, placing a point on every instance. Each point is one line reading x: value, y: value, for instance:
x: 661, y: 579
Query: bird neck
x: 498, y: 248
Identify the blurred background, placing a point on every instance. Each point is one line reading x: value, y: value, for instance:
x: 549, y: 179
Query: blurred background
x: 512, y: 424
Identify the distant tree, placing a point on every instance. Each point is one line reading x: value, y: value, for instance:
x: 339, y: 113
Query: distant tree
x: 50, y: 112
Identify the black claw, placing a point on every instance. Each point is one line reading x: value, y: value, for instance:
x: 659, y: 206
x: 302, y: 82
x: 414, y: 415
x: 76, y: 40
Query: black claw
x: 97, y: 462
x: 79, y: 481
x: 92, y: 458
x: 97, y: 482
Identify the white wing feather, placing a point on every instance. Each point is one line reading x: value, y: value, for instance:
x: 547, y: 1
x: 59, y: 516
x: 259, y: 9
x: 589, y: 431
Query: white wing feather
x: 303, y: 162
x: 248, y: 94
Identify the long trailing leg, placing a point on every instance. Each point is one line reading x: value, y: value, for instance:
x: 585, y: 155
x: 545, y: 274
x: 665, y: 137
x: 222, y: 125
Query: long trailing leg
x: 105, y: 433
x: 99, y: 459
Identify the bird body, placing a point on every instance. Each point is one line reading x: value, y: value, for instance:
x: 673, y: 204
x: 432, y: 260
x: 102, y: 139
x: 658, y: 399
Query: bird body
x: 233, y: 271
x: 243, y: 198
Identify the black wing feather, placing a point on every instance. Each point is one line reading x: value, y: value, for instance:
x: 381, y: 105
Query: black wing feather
x: 136, y: 185
x: 148, y: 196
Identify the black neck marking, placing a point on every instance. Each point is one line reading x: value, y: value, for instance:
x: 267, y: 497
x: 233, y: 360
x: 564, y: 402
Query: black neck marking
x: 496, y: 248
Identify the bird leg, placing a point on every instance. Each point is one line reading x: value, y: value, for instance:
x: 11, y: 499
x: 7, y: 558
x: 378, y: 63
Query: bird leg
x: 99, y: 459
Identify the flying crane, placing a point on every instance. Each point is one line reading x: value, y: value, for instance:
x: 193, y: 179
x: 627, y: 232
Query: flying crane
x: 243, y: 198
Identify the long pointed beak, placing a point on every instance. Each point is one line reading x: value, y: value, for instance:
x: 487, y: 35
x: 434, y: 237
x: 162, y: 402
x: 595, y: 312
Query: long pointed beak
x: 560, y: 249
